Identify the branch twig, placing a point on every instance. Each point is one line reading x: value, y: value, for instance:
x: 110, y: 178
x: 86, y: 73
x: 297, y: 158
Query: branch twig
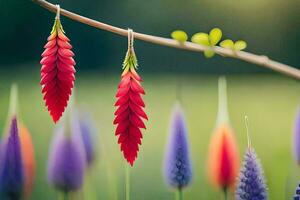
x: 260, y: 60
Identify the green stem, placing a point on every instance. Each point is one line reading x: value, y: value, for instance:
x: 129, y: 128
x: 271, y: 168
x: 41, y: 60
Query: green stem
x: 63, y: 196
x: 223, y: 116
x: 70, y: 112
x: 13, y: 106
x: 178, y: 90
x: 179, y: 194
x: 113, y: 194
x: 127, y: 184
x: 66, y: 196
x: 225, y: 194
x: 13, y: 101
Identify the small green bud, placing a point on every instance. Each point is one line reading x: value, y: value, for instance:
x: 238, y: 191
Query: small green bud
x: 215, y: 36
x: 201, y: 38
x: 179, y: 35
x: 228, y: 44
x: 240, y: 45
x: 209, y: 53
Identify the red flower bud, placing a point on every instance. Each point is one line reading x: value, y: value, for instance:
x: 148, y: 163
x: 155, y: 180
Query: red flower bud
x: 57, y: 72
x: 130, y: 110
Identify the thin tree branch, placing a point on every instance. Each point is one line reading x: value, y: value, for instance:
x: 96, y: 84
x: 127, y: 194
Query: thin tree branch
x: 260, y: 60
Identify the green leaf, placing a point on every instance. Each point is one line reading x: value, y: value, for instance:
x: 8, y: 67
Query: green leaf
x: 228, y: 44
x: 240, y: 45
x: 130, y: 60
x: 209, y: 53
x: 179, y: 35
x: 201, y: 38
x: 215, y: 36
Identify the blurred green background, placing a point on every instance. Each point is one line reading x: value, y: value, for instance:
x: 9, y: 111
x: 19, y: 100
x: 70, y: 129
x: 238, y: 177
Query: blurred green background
x: 270, y: 106
x: 270, y: 101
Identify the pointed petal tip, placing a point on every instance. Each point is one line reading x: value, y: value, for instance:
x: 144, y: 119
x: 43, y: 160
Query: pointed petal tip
x: 55, y: 119
x: 130, y: 161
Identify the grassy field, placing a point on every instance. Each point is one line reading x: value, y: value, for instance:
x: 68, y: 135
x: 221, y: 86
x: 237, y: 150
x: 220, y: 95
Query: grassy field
x: 269, y: 101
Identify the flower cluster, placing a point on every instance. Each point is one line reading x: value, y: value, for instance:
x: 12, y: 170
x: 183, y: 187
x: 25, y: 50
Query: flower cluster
x: 251, y: 182
x: 67, y: 161
x: 178, y: 169
x: 223, y: 163
x: 57, y: 72
x: 130, y: 109
x: 11, y: 165
x: 223, y: 160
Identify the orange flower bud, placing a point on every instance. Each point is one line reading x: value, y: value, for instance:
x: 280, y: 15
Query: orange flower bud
x: 28, y: 158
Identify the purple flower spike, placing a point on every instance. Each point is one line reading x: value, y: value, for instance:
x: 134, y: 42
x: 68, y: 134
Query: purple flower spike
x: 297, y: 138
x: 251, y: 183
x: 87, y: 128
x: 297, y: 193
x: 66, y: 165
x: 177, y: 166
x: 11, y: 167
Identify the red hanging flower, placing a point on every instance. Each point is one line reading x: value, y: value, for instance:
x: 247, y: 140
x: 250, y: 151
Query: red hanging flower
x: 130, y: 109
x: 57, y: 72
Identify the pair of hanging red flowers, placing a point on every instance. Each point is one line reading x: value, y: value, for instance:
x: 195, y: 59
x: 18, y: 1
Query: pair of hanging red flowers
x: 57, y: 81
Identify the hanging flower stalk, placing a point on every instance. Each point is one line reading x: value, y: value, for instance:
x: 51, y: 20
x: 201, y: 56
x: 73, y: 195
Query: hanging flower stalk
x: 223, y: 157
x: 130, y: 112
x: 66, y: 164
x: 87, y: 129
x: 28, y: 159
x: 251, y: 182
x: 57, y: 72
x: 11, y: 165
x: 177, y: 166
